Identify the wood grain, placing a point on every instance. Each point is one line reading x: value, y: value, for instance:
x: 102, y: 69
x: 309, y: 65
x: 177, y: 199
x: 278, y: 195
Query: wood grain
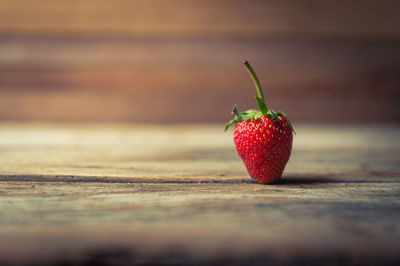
x: 120, y: 194
x: 183, y: 17
x: 164, y: 61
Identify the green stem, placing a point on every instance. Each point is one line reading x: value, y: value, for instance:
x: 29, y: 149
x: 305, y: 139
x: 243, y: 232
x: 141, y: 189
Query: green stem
x: 254, y: 78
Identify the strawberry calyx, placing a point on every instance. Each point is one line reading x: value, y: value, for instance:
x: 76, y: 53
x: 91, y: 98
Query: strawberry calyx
x: 263, y: 109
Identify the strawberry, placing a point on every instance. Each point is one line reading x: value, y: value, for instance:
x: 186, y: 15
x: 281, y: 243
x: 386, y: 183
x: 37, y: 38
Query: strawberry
x: 263, y: 138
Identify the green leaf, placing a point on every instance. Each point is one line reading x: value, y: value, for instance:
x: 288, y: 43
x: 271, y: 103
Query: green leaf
x: 261, y: 105
x: 250, y: 114
x: 272, y: 114
x: 230, y: 123
x: 235, y: 120
x: 243, y: 116
x: 287, y: 120
x: 258, y: 115
x: 235, y: 111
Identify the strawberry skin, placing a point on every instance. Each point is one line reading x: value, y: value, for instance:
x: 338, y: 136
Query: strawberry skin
x: 265, y: 146
x: 263, y: 138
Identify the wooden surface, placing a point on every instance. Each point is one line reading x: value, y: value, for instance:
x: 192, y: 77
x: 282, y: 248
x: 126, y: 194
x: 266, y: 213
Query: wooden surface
x: 98, y: 60
x: 117, y: 194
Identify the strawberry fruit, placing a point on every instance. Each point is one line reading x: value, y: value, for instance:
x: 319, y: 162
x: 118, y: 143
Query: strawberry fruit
x: 263, y: 138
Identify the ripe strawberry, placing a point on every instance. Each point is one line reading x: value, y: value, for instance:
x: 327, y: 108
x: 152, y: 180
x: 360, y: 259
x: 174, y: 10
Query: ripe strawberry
x: 263, y: 138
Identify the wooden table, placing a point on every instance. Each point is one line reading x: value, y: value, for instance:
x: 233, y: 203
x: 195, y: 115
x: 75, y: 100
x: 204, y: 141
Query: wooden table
x: 124, y: 194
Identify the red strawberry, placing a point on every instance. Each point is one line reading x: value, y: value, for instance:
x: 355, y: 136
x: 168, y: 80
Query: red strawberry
x: 263, y: 138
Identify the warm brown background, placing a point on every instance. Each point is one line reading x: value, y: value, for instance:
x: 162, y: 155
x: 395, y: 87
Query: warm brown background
x: 180, y: 61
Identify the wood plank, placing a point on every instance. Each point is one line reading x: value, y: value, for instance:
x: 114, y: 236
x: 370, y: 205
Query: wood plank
x: 125, y: 150
x: 104, y: 80
x: 135, y: 194
x: 103, y: 61
x: 370, y: 19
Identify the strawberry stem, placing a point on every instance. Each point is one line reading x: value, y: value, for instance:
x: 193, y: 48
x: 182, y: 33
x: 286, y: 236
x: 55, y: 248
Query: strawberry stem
x: 253, y: 114
x: 254, y: 78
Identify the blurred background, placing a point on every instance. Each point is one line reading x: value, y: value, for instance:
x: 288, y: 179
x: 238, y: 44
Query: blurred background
x: 179, y: 61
